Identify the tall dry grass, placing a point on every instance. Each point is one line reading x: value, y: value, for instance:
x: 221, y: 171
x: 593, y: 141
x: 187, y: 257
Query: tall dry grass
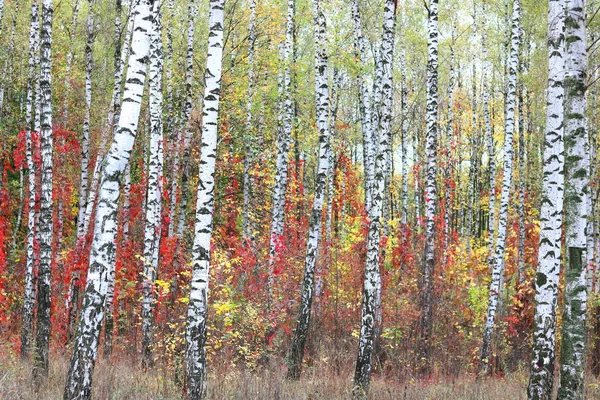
x: 123, y: 379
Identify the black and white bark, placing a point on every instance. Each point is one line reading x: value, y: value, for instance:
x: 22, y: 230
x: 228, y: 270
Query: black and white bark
x: 572, y: 353
x: 198, y: 303
x: 152, y: 228
x: 42, y: 340
x: 284, y: 137
x: 85, y: 136
x: 364, y: 104
x: 509, y: 128
x: 28, y: 297
x: 102, y: 255
x: 430, y: 186
x: 69, y: 60
x: 372, y: 274
x: 541, y: 378
x: 248, y: 134
x: 187, y: 113
x: 315, y: 223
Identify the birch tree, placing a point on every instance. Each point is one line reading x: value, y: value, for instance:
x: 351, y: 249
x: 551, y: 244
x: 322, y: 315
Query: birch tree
x: 284, y: 137
x: 572, y: 354
x: 152, y: 229
x: 372, y: 275
x: 102, y: 255
x: 541, y: 378
x: 430, y: 185
x: 246, y: 229
x: 197, y: 306
x: 28, y: 301
x: 509, y: 128
x: 42, y: 339
x: 314, y: 230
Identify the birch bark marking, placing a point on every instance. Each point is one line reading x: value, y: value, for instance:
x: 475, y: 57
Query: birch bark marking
x: 198, y: 304
x: 283, y: 146
x: 541, y: 378
x: 246, y: 228
x: 372, y: 275
x: 364, y: 104
x: 187, y: 112
x: 509, y: 128
x: 85, y: 348
x: 430, y: 187
x: 314, y: 230
x: 83, y: 185
x: 152, y: 229
x: 69, y: 64
x: 42, y: 340
x: 572, y: 354
x: 28, y: 301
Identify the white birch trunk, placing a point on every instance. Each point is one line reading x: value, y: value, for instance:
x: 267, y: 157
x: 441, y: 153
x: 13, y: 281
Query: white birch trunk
x: 430, y: 186
x: 45, y: 223
x: 152, y: 229
x: 198, y: 303
x: 372, y: 275
x: 572, y: 356
x: 102, y: 255
x: 283, y: 146
x: 314, y: 230
x: 29, y: 299
x: 509, y: 128
x: 246, y: 228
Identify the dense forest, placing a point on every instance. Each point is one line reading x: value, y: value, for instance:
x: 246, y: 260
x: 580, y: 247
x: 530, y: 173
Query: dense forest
x: 301, y: 199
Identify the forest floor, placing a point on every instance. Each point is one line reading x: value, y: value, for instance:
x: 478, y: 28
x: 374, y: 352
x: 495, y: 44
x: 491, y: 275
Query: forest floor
x: 122, y: 379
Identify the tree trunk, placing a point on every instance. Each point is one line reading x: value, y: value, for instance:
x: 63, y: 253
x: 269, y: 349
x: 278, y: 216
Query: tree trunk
x: 372, y: 274
x: 572, y: 355
x: 42, y: 340
x: 541, y: 378
x: 198, y: 304
x: 509, y: 128
x: 152, y: 229
x: 85, y: 349
x: 187, y: 113
x: 314, y: 230
x: 430, y: 189
x: 283, y: 145
x: 248, y: 135
x: 28, y: 301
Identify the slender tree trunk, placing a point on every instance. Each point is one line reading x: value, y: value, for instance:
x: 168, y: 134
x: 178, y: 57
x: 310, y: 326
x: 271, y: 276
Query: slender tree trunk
x: 541, y: 378
x: 521, y: 190
x: 69, y: 64
x: 187, y: 113
x: 198, y: 304
x: 283, y: 145
x: 121, y: 54
x: 248, y: 135
x: 364, y: 101
x: 8, y: 61
x: 499, y: 266
x: 42, y: 340
x: 85, y: 349
x: 28, y: 301
x: 404, y: 135
x: 152, y: 230
x: 572, y: 355
x: 430, y: 189
x: 83, y: 185
x: 448, y: 166
x: 314, y: 230
x: 491, y: 146
x: 372, y: 275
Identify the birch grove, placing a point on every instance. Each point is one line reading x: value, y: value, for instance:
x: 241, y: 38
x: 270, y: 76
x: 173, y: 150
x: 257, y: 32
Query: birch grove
x: 402, y: 191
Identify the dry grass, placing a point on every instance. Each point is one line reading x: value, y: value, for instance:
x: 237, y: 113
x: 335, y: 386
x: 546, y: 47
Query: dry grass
x: 124, y: 380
